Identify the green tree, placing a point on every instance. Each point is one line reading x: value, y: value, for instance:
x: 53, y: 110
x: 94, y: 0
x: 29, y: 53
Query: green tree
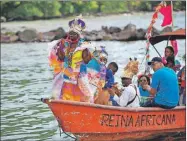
x: 114, y: 7
x: 48, y: 8
x: 67, y: 8
x: 90, y: 7
x: 24, y: 10
x: 179, y: 5
x: 7, y: 6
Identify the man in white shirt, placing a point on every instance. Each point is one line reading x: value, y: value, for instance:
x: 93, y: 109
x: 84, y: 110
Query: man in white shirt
x: 130, y: 97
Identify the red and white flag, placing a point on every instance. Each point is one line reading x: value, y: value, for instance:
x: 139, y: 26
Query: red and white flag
x: 167, y: 13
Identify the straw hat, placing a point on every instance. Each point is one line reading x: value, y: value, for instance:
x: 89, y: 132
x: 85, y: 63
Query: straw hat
x: 127, y: 74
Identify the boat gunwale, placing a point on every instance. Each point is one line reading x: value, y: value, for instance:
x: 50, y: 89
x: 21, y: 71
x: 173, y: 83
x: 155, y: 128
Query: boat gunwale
x: 108, y: 107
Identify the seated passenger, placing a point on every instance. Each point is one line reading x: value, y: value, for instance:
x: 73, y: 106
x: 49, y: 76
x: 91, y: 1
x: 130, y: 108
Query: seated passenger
x: 182, y: 83
x: 143, y: 80
x: 170, y: 62
x: 164, y: 86
x: 182, y: 80
x: 130, y: 97
x: 169, y: 52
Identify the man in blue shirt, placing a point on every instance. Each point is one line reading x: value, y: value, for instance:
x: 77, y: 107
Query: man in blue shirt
x: 164, y: 86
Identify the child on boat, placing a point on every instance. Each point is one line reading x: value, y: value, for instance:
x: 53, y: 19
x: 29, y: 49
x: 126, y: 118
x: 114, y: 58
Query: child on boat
x: 112, y: 68
x: 110, y: 72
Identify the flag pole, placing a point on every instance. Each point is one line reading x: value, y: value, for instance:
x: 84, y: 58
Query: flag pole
x: 172, y: 15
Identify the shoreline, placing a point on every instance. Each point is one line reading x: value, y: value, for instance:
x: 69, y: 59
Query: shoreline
x: 128, y: 33
x: 87, y: 15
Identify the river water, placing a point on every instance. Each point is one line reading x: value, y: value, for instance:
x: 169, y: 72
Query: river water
x: 26, y: 77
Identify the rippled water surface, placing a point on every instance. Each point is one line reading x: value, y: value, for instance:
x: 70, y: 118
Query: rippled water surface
x: 26, y: 77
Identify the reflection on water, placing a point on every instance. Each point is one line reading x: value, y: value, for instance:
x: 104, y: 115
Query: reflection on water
x: 26, y: 77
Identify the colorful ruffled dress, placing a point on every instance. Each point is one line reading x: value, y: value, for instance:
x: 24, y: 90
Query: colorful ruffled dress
x: 70, y: 64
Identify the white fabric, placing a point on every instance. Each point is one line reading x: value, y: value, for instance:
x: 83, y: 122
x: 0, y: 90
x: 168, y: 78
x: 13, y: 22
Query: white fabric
x: 57, y: 86
x: 128, y: 95
x: 51, y: 45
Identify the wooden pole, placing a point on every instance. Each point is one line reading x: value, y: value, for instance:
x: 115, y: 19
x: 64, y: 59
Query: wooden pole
x: 172, y: 15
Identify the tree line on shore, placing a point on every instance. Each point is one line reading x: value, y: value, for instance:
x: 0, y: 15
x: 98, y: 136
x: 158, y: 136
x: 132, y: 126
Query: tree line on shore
x: 33, y: 10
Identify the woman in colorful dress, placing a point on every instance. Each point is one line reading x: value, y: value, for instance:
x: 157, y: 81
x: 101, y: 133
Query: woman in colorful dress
x: 92, y: 73
x: 66, y: 57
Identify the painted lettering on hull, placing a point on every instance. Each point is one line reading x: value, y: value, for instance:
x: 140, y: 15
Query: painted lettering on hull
x: 113, y: 120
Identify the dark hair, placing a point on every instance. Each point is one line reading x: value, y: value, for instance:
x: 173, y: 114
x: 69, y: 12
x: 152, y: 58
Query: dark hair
x: 170, y: 59
x: 170, y: 48
x: 147, y: 77
x: 114, y: 65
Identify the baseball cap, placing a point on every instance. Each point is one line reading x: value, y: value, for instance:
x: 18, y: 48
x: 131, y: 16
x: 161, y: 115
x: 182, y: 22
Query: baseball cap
x: 155, y: 59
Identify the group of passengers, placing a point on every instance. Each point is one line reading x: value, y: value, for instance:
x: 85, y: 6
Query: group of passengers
x: 81, y: 74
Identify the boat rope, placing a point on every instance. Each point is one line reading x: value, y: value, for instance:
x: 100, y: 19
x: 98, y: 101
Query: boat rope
x: 70, y: 136
x: 143, y: 59
x: 157, y: 51
x: 62, y: 131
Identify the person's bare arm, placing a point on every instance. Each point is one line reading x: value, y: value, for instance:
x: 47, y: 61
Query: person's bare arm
x: 152, y: 91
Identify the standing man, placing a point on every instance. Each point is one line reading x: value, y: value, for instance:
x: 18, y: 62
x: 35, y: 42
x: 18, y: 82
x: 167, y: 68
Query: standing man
x: 164, y: 86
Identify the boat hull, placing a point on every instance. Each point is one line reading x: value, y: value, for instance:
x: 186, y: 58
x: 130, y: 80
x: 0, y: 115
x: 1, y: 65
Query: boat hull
x: 97, y: 122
